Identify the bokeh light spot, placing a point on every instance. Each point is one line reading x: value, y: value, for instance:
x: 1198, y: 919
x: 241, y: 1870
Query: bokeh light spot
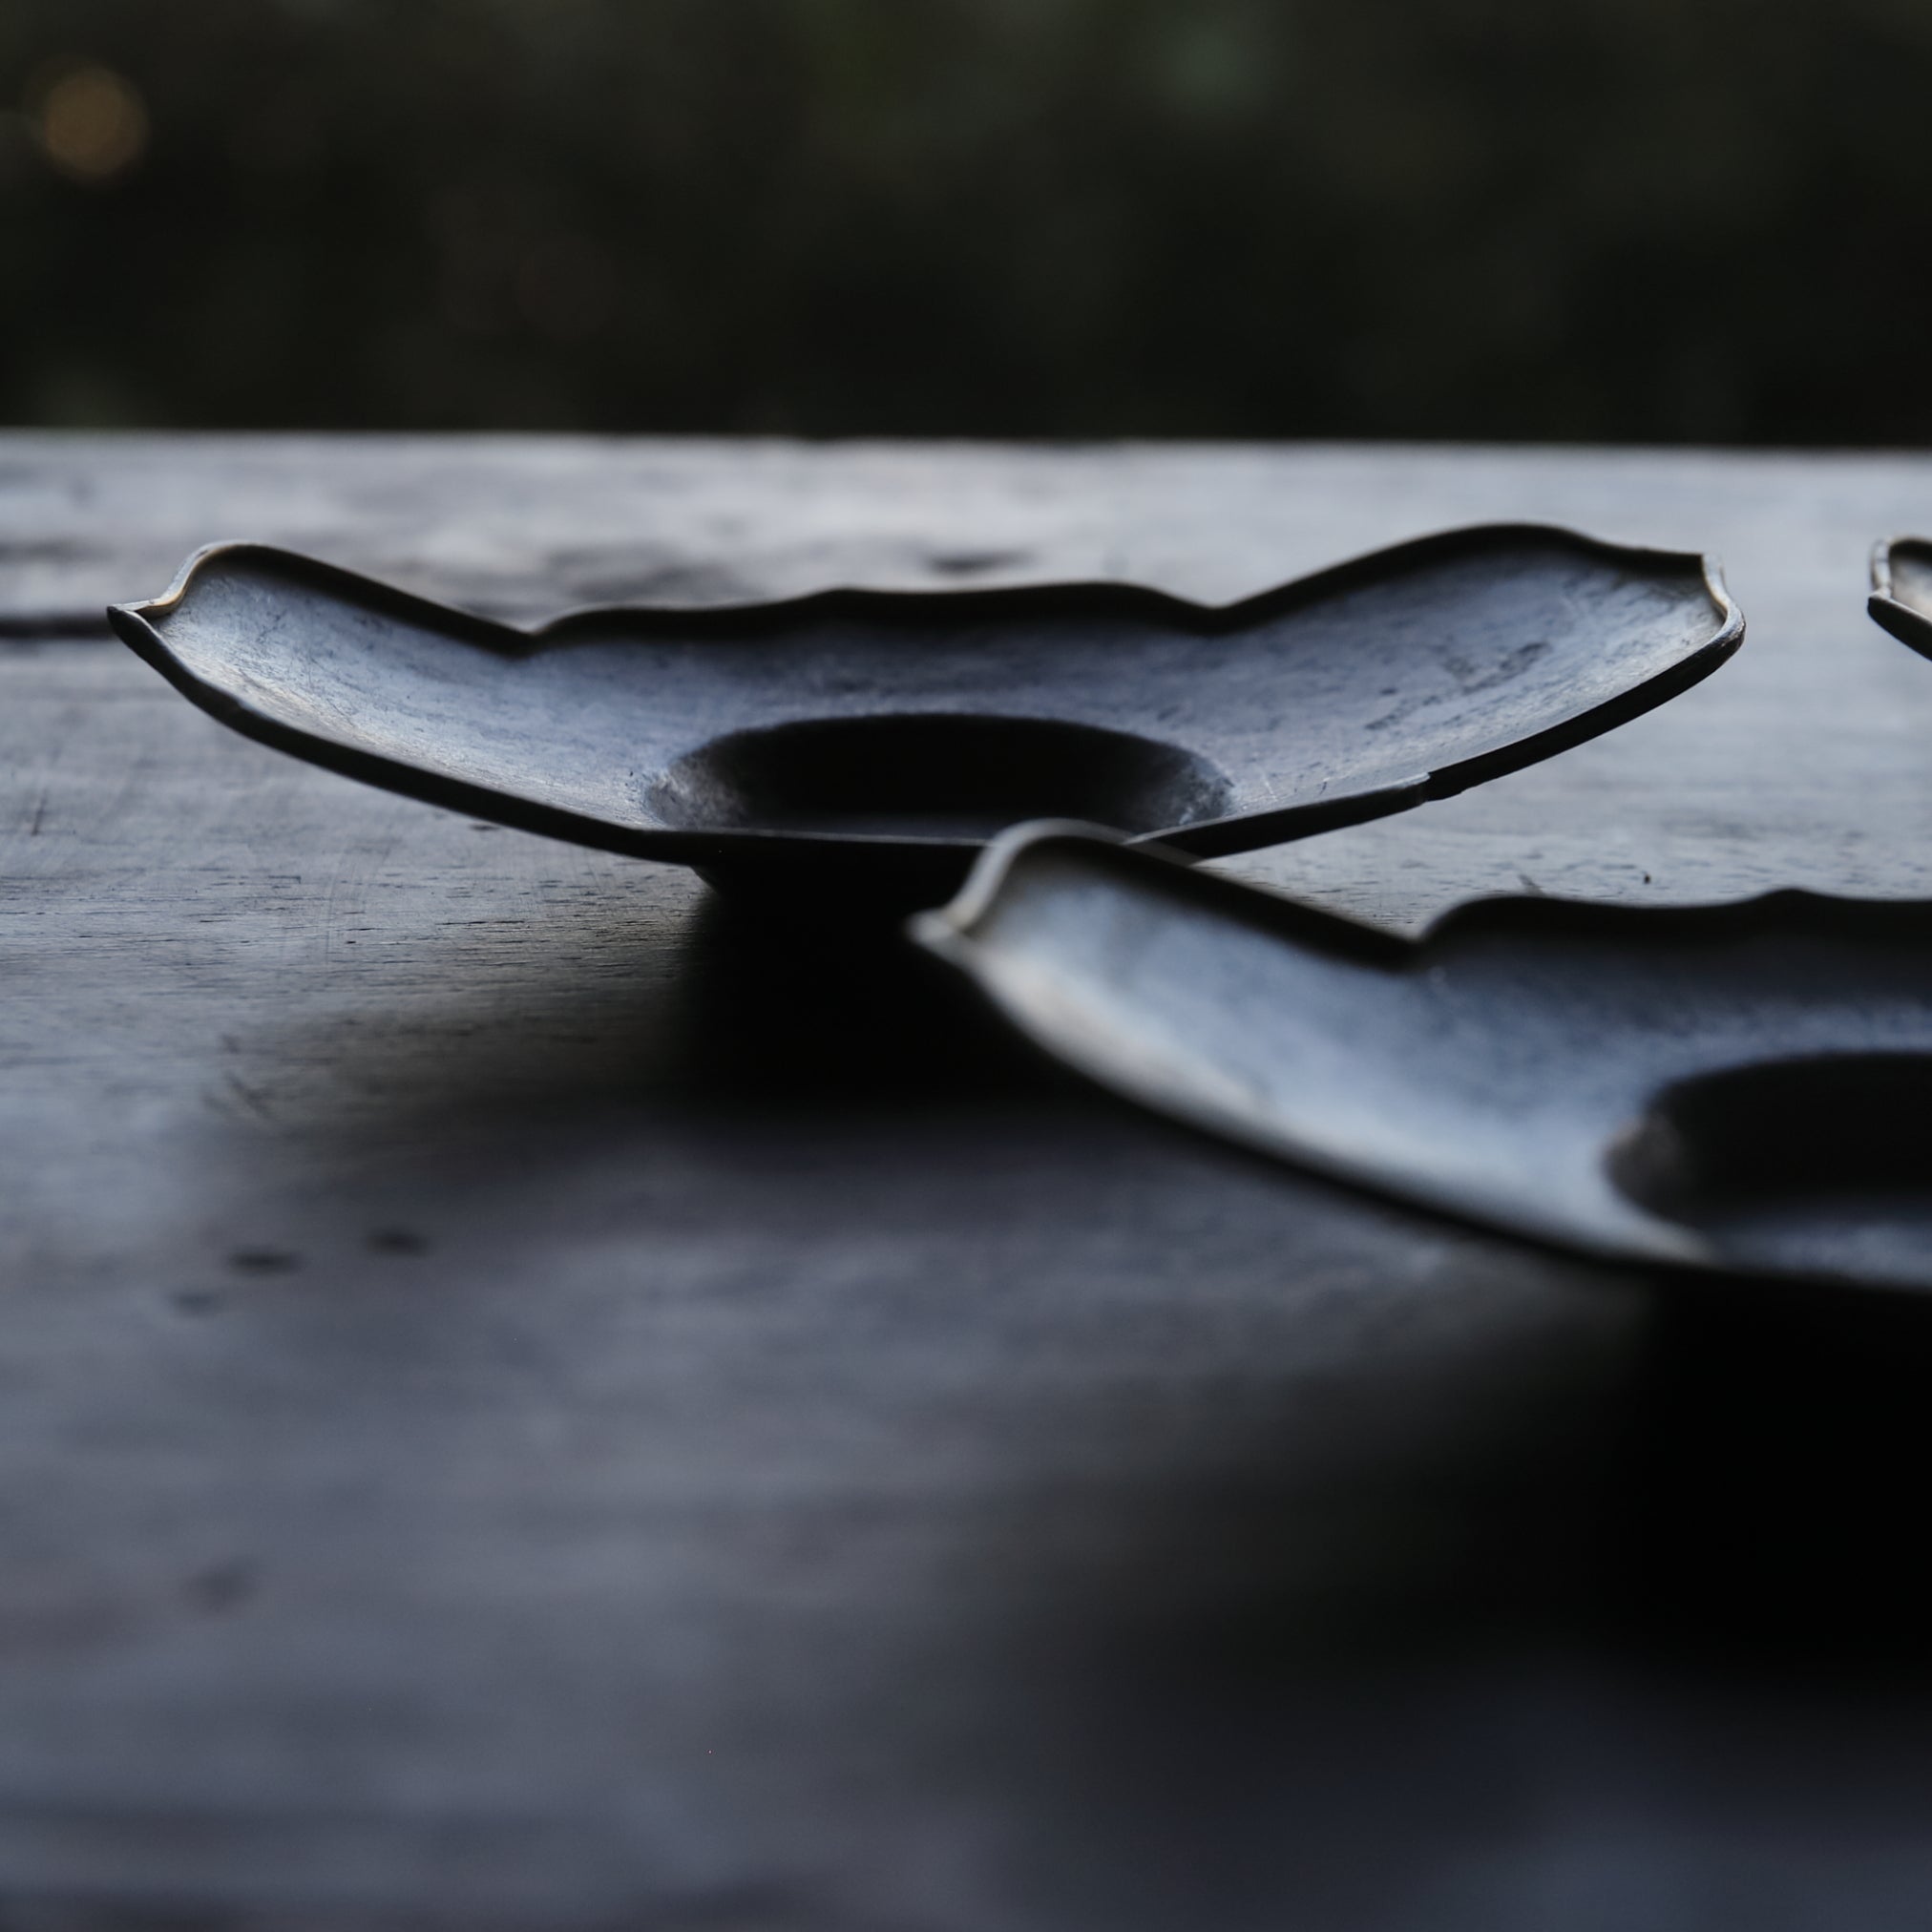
x: 92, y: 123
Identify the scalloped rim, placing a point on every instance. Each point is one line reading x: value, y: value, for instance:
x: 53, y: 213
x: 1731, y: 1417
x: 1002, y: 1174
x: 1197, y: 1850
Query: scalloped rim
x: 137, y: 624
x: 944, y: 927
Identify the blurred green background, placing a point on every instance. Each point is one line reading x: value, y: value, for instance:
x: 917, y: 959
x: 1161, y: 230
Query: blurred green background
x: 1622, y: 220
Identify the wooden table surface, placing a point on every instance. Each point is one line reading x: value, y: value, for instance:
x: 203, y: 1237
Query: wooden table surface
x: 526, y: 1396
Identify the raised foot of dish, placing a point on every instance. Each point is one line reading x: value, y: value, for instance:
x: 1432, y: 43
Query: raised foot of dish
x: 872, y: 887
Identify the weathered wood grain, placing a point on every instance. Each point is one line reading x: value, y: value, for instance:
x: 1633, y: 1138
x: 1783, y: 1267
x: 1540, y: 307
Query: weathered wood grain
x: 525, y: 1396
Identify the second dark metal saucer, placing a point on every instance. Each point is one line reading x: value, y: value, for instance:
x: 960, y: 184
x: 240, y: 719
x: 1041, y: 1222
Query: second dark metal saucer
x: 1740, y: 1088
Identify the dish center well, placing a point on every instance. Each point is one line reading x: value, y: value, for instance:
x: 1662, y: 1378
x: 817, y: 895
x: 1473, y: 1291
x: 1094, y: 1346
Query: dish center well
x: 1793, y: 1164
x: 934, y: 775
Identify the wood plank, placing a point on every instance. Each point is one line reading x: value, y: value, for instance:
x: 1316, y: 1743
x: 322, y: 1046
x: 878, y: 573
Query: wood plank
x: 521, y: 525
x: 529, y: 1395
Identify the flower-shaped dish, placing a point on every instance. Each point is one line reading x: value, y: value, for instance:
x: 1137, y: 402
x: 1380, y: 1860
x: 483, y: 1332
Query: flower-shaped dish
x: 881, y: 738
x: 1740, y: 1087
x: 1901, y: 591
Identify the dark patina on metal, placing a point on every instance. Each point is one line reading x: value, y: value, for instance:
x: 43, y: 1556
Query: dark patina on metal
x: 1739, y: 1088
x: 878, y: 739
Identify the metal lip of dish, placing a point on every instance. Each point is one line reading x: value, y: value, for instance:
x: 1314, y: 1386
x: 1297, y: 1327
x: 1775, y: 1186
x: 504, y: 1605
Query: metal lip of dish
x: 882, y: 737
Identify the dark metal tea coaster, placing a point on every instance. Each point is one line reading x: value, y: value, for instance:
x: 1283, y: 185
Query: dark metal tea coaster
x: 1901, y: 591
x: 880, y: 738
x: 1744, y: 1087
